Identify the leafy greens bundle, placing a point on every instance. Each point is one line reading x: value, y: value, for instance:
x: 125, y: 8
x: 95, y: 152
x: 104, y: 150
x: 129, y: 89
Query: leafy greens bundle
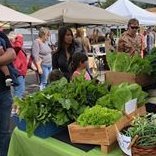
x: 123, y: 62
x: 98, y: 115
x: 60, y: 102
x: 119, y: 95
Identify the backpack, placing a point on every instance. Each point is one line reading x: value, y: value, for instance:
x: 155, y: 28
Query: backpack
x: 13, y: 71
x: 20, y: 63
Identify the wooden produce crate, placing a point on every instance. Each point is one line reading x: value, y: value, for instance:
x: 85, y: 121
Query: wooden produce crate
x: 115, y: 78
x: 103, y: 136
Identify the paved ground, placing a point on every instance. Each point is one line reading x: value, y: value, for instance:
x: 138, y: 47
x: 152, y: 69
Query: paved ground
x: 31, y: 82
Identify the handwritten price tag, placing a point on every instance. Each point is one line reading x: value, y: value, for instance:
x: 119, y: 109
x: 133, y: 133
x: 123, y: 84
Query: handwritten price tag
x: 130, y: 106
x: 124, y: 143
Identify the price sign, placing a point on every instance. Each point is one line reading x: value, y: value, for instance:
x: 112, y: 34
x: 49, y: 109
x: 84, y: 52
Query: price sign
x: 130, y: 106
x: 124, y: 142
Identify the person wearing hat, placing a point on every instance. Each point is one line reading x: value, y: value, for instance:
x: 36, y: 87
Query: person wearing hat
x: 20, y: 63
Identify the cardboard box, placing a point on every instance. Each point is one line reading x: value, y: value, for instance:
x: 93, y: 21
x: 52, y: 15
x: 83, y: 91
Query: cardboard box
x: 103, y: 136
x: 115, y: 78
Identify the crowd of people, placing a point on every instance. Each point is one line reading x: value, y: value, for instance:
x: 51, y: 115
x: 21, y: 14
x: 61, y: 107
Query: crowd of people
x: 146, y: 35
x: 69, y: 60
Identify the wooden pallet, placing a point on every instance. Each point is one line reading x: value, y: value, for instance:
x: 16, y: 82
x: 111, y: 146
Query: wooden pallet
x: 103, y: 136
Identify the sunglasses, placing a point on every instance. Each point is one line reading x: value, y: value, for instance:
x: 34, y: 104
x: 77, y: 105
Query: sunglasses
x: 134, y: 27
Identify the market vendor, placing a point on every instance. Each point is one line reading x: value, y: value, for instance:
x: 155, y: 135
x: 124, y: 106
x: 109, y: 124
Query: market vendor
x: 131, y: 41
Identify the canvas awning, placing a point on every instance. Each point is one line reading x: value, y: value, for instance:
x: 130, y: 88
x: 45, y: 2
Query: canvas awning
x: 78, y: 13
x: 13, y: 17
x: 129, y: 10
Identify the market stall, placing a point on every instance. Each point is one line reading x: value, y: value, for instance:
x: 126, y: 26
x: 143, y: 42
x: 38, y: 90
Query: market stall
x: 79, y: 112
x: 85, y: 112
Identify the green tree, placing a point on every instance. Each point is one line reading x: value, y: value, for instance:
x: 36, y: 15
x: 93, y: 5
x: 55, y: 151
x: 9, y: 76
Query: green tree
x: 12, y: 6
x: 34, y: 8
x: 107, y: 3
x: 144, y: 5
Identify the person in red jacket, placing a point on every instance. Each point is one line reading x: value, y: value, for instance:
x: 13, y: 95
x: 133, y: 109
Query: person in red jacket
x: 20, y: 64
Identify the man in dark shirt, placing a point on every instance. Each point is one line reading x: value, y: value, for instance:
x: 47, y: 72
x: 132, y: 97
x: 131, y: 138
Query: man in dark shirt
x: 5, y: 98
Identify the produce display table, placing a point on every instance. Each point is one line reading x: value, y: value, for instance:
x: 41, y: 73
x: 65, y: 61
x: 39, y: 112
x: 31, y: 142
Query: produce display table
x: 21, y: 145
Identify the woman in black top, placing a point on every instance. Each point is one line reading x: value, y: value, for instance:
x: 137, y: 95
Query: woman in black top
x: 62, y: 58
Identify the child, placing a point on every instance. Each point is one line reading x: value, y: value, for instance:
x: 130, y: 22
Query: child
x: 79, y: 65
x: 4, y: 69
x: 54, y: 75
x: 20, y: 63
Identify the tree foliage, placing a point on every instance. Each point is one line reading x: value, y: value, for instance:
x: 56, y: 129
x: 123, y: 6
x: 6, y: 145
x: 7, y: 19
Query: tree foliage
x: 12, y: 6
x: 34, y: 8
x: 108, y: 3
x: 144, y: 5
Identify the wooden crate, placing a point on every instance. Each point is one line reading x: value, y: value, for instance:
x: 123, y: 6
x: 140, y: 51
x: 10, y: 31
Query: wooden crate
x: 115, y: 78
x: 103, y: 136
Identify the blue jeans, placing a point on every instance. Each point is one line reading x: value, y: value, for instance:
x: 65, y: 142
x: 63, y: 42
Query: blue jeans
x: 5, y: 110
x: 44, y: 77
x: 20, y: 89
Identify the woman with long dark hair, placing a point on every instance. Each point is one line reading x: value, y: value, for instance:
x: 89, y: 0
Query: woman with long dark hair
x: 63, y: 56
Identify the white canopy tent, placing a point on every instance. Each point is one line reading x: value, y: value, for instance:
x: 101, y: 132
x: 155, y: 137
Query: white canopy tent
x: 17, y: 19
x: 127, y: 9
x: 78, y: 13
x: 13, y: 17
